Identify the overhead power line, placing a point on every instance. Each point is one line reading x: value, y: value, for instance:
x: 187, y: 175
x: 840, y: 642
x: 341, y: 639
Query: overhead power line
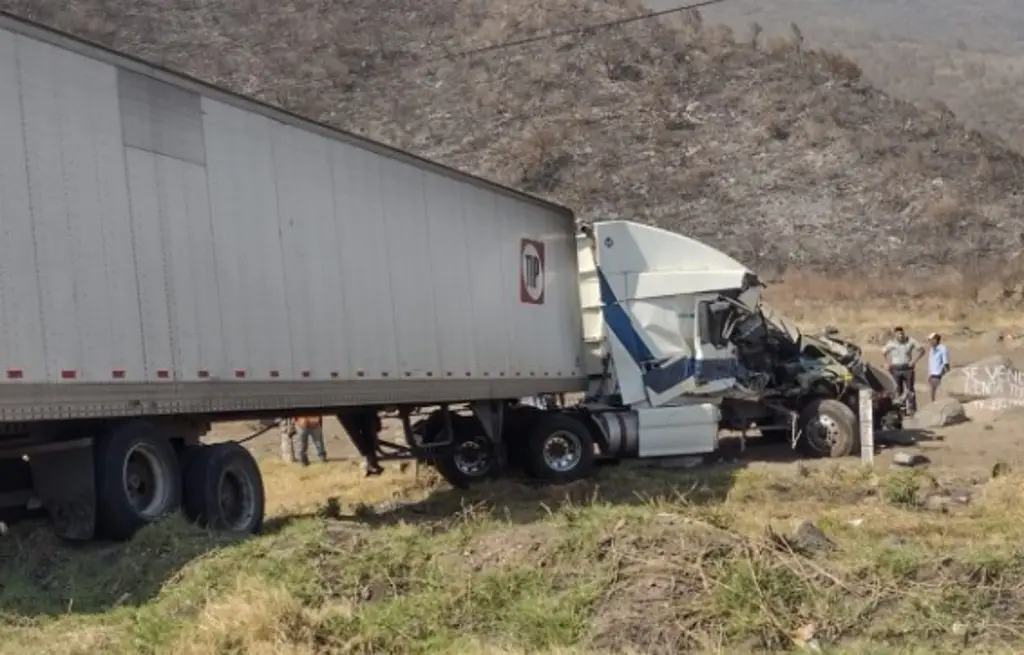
x: 514, y: 43
x: 398, y: 66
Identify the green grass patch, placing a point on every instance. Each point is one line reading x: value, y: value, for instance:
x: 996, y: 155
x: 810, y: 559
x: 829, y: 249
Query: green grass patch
x: 675, y: 563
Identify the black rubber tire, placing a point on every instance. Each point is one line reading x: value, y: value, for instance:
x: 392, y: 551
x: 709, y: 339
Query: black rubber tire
x: 210, y: 467
x: 467, y: 429
x: 549, y: 426
x: 116, y: 517
x: 848, y: 433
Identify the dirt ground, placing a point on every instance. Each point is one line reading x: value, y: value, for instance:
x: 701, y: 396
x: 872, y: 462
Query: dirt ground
x: 991, y: 434
x: 967, y: 450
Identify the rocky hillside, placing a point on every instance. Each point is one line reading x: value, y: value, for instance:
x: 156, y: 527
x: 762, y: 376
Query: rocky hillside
x: 777, y: 153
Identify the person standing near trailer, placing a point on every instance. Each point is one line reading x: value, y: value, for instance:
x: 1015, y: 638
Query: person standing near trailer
x: 310, y: 428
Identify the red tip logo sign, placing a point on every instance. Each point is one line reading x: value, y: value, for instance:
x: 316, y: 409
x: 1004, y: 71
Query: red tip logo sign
x: 531, y: 272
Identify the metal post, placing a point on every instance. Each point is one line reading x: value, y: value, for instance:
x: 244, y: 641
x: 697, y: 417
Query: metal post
x: 867, y: 426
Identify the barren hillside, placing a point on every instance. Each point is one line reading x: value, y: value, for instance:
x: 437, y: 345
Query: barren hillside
x: 779, y: 154
x: 969, y: 56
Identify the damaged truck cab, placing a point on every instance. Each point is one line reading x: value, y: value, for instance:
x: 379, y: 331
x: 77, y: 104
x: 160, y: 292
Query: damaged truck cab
x: 674, y: 325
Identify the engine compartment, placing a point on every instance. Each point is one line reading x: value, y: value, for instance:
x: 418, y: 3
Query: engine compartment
x: 783, y: 367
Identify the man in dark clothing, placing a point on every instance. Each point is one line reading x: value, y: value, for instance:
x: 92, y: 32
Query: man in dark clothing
x: 363, y: 427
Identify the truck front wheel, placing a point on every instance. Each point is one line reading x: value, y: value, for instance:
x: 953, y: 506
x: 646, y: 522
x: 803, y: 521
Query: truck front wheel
x: 138, y: 479
x: 561, y: 449
x: 224, y: 489
x: 828, y: 429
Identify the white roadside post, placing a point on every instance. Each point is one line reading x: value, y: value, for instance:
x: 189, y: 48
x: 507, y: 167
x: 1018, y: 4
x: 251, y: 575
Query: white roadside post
x: 867, y: 427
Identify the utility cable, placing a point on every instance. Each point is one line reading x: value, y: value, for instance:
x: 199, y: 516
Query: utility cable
x: 514, y: 43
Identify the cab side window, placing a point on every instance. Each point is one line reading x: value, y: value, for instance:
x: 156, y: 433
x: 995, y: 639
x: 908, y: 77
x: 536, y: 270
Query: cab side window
x: 711, y: 321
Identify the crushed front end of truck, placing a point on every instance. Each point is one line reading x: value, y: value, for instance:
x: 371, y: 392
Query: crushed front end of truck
x: 786, y: 374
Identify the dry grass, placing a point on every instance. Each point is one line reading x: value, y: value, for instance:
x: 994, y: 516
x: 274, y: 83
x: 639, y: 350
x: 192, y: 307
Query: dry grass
x: 297, y: 489
x: 645, y: 561
x: 988, y: 298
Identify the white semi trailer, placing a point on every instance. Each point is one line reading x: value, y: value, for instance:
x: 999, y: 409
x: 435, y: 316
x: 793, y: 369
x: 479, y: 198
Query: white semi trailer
x: 172, y: 255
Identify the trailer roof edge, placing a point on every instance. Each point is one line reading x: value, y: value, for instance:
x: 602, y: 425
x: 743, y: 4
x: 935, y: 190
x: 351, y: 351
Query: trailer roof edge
x: 94, y: 50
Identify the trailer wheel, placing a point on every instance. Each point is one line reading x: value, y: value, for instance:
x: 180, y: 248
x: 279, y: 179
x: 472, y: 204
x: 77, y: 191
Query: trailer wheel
x: 138, y: 479
x: 561, y: 449
x: 472, y: 457
x: 224, y: 489
x: 829, y: 429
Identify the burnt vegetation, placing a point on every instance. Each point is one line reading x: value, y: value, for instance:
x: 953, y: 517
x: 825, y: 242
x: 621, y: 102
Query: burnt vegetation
x: 777, y: 152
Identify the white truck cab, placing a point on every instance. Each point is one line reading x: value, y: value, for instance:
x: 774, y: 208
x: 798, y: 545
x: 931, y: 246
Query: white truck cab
x: 674, y: 330
x: 652, y: 312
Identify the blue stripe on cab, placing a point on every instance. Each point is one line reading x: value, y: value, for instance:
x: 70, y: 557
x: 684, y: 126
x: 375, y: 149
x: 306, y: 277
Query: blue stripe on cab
x: 618, y: 321
x: 657, y: 377
x: 662, y: 378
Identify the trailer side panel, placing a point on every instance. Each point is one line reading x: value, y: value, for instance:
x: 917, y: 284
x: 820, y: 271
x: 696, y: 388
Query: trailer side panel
x: 167, y: 250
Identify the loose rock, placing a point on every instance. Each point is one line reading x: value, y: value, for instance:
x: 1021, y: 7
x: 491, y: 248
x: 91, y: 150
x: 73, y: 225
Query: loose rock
x: 909, y: 459
x: 934, y: 498
x: 1000, y: 469
x: 937, y: 502
x: 809, y: 537
x: 961, y: 496
x: 943, y: 412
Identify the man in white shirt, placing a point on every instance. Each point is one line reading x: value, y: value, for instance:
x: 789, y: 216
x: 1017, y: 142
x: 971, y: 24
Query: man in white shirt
x: 902, y: 354
x: 938, y: 362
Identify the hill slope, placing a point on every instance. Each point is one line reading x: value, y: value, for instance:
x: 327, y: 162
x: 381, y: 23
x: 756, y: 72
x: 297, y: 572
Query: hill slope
x: 780, y: 155
x: 967, y: 56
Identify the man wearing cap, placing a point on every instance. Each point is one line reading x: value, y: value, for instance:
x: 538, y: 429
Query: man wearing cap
x: 938, y: 362
x: 902, y: 354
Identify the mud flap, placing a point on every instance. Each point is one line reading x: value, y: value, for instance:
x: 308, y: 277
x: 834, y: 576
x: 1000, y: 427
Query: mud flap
x: 64, y: 480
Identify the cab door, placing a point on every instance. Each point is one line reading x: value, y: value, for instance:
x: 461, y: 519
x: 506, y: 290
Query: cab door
x: 715, y: 363
x: 704, y: 363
